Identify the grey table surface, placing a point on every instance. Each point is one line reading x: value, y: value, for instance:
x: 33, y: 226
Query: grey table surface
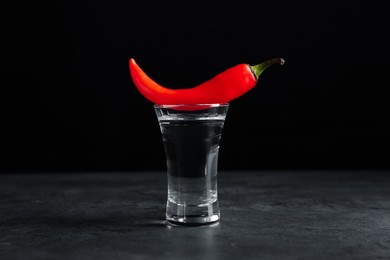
x: 264, y: 215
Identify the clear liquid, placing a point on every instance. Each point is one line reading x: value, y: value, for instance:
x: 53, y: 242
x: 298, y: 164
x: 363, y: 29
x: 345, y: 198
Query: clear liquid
x: 191, y: 148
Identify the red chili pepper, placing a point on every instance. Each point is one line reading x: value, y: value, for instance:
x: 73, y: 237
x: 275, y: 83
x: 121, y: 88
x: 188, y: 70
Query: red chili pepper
x: 222, y: 88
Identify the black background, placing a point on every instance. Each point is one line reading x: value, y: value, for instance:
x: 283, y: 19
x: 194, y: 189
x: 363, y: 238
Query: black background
x: 68, y: 102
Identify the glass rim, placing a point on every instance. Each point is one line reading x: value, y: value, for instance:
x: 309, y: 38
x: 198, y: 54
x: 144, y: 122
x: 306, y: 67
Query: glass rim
x: 191, y: 105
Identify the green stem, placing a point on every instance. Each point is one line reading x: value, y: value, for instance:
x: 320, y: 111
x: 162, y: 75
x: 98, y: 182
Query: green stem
x: 259, y: 68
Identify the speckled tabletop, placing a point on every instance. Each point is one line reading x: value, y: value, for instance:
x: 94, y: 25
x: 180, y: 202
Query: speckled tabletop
x: 264, y: 215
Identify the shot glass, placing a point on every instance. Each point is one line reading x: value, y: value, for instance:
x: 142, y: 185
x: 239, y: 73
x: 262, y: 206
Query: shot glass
x: 191, y: 136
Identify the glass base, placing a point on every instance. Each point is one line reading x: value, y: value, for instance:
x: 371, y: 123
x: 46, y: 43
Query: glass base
x: 192, y: 215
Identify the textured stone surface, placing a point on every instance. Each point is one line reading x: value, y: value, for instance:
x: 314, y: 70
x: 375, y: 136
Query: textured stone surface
x: 264, y: 215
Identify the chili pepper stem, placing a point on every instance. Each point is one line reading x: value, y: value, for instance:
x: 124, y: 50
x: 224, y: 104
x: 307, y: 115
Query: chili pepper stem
x: 259, y: 68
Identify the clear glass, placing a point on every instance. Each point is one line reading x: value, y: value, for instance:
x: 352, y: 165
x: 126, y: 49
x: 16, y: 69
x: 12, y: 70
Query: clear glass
x: 192, y: 135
